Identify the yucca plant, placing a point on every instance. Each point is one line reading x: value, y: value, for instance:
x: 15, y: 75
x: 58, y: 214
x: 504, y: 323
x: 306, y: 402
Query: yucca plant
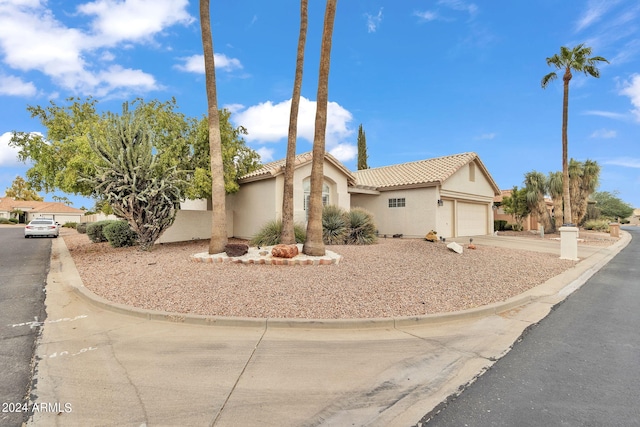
x: 335, y: 225
x: 362, y: 229
x: 270, y: 233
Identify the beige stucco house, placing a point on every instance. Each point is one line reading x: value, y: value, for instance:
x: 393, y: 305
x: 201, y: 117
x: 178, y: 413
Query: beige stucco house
x: 26, y: 210
x: 452, y: 195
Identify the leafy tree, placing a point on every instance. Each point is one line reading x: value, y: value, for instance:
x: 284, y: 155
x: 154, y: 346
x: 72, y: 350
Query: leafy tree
x: 64, y: 155
x: 288, y: 226
x: 218, y: 239
x: 21, y: 190
x: 62, y: 199
x: 313, y: 244
x: 611, y: 206
x: 576, y: 59
x: 362, y: 149
x: 131, y: 179
x: 536, y: 188
x: 516, y: 205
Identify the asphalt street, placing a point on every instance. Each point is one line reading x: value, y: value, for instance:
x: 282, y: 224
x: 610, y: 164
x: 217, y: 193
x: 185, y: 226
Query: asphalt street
x: 24, y: 265
x: 580, y: 366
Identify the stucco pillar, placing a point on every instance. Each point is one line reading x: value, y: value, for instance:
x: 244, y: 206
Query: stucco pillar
x: 569, y: 243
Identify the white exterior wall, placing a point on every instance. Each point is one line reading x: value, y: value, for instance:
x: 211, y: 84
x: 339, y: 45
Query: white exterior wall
x: 252, y: 207
x: 416, y: 219
x: 60, y: 218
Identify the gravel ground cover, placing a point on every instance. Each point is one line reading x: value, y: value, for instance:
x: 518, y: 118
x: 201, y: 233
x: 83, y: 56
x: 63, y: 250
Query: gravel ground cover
x: 395, y: 277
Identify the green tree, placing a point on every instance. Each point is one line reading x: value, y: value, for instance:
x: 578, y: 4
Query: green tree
x: 314, y: 244
x: 218, y: 239
x: 21, y: 190
x: 611, y: 206
x: 554, y: 187
x: 362, y: 149
x: 131, y: 179
x: 536, y: 188
x: 576, y: 59
x: 62, y: 199
x: 288, y: 226
x: 516, y: 205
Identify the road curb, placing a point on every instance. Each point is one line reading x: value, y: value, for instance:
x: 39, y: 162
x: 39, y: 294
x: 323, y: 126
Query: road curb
x: 558, y: 287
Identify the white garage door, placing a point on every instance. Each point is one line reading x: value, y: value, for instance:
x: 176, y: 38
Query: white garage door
x: 472, y: 219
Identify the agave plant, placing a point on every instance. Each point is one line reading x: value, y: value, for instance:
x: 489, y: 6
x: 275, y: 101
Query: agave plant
x: 334, y: 225
x: 270, y: 233
x: 362, y: 229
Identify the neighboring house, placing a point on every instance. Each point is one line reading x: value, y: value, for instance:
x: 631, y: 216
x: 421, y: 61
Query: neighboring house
x: 26, y: 210
x: 452, y: 195
x: 530, y: 222
x: 634, y: 219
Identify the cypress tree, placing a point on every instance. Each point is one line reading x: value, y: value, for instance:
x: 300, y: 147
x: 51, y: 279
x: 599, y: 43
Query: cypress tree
x: 362, y: 149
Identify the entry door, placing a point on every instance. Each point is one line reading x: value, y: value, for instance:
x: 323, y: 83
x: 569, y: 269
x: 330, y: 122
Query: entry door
x: 445, y: 219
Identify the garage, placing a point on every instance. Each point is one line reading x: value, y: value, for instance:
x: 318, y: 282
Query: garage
x: 472, y: 219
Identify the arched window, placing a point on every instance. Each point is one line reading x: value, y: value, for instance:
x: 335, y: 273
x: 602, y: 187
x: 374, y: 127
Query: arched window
x: 306, y: 186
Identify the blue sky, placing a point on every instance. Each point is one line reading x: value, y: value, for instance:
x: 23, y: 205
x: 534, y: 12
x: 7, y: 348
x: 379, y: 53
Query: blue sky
x: 424, y: 78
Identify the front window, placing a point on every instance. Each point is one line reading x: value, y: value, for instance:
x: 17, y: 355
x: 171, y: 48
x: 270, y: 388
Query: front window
x: 397, y: 202
x: 307, y: 192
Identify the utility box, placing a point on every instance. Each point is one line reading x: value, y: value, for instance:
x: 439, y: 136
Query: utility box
x: 614, y: 229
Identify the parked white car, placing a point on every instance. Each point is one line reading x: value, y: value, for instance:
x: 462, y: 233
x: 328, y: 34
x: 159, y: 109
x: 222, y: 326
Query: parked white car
x: 41, y: 227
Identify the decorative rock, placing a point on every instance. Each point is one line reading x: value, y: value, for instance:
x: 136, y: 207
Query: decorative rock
x: 455, y: 247
x: 431, y: 236
x: 236, y: 249
x: 263, y: 253
x: 471, y: 246
x: 284, y: 251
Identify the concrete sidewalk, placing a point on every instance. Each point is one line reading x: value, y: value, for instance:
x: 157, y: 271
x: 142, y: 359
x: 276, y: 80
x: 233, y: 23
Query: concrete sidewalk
x: 101, y: 364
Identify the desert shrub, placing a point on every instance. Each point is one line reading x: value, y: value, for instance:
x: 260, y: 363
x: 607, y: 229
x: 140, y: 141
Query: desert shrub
x: 269, y: 234
x: 95, y: 230
x: 119, y: 234
x: 499, y: 224
x: 335, y: 225
x: 516, y: 227
x: 362, y: 229
x: 597, y: 225
x: 82, y: 228
x: 70, y: 224
x: 6, y: 221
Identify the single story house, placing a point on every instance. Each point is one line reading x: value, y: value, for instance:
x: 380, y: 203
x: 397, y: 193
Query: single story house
x: 452, y: 195
x: 26, y: 210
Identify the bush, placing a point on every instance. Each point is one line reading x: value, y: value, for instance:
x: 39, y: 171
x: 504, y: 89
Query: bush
x: 597, y: 225
x: 95, y: 230
x: 362, y: 229
x: 82, y: 228
x: 119, y: 234
x: 6, y: 221
x: 269, y: 234
x: 70, y: 224
x: 499, y: 224
x: 334, y: 225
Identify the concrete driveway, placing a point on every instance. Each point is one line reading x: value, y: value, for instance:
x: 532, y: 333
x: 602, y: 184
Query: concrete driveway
x: 105, y: 365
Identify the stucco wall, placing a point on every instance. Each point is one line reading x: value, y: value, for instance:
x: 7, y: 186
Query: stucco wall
x: 253, y: 206
x: 460, y: 186
x: 416, y: 219
x: 60, y: 218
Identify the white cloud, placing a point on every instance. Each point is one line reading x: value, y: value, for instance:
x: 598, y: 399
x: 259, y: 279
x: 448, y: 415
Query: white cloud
x: 627, y: 162
x: 631, y: 89
x: 269, y: 122
x: 266, y: 154
x: 15, y: 86
x: 134, y: 20
x: 460, y: 5
x: 32, y: 38
x: 344, y: 152
x: 489, y: 136
x: 373, y: 21
x: 604, y: 134
x: 607, y: 114
x: 426, y: 15
x: 195, y: 63
x: 595, y: 11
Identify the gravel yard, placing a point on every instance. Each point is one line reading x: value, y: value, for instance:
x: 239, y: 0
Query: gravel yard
x: 395, y: 277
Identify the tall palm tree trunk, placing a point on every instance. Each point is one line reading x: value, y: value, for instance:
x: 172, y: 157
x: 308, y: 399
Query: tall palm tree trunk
x: 219, y: 220
x: 313, y: 244
x: 565, y: 149
x: 288, y: 233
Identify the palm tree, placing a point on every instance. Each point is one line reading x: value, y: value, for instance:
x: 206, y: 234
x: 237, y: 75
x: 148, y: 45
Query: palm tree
x: 583, y: 181
x: 536, y: 186
x: 288, y: 235
x: 313, y: 244
x: 554, y: 186
x: 219, y: 220
x: 576, y: 59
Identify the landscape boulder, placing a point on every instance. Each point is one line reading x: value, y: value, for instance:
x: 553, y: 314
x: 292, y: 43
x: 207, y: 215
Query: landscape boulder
x: 236, y: 249
x: 431, y: 236
x: 455, y: 247
x: 284, y: 251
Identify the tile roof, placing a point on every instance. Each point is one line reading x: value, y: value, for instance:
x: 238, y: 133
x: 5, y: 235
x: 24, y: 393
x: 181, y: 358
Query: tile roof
x: 419, y: 173
x: 272, y: 169
x: 7, y: 204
